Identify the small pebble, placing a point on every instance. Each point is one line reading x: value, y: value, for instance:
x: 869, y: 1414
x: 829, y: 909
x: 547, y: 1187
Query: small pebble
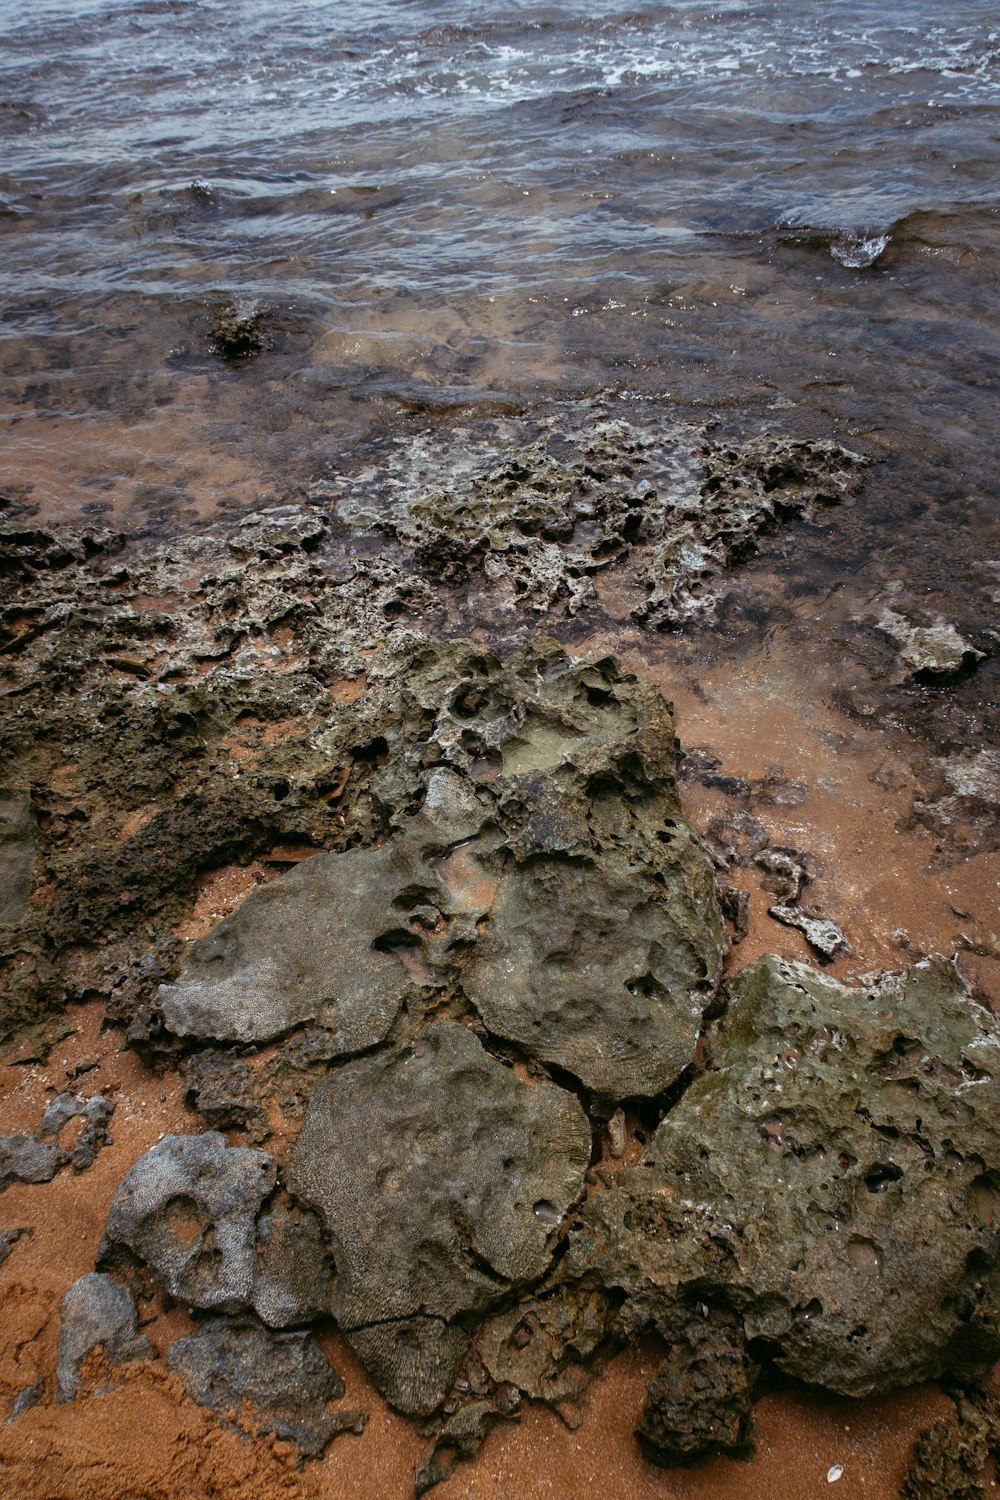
x: 832, y: 1475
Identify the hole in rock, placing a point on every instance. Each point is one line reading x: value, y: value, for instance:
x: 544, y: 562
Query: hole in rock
x: 880, y: 1174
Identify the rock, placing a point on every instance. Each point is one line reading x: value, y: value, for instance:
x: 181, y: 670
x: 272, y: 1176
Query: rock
x: 937, y: 649
x: 949, y: 1459
x: 37, y: 1158
x: 239, y: 331
x: 830, y: 1178
x: 547, y: 869
x: 784, y: 873
x: 97, y: 1313
x: 699, y: 1401
x: 602, y: 968
x: 284, y: 1377
x: 441, y: 1181
x: 220, y: 1086
x: 527, y: 510
x: 545, y: 1346
x: 186, y: 1210
x: 9, y: 1238
x: 18, y: 853
x: 295, y: 1273
x: 23, y: 1158
x: 322, y: 944
x: 459, y: 1437
x: 826, y: 937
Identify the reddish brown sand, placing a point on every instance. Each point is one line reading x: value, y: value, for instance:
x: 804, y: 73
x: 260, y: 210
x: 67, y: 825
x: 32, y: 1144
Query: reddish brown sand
x: 144, y: 1440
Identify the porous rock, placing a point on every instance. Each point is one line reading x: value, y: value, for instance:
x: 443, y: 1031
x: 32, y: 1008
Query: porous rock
x: 441, y: 1180
x: 97, y: 1313
x: 538, y: 858
x: 220, y: 1086
x: 187, y: 1211
x: 831, y: 1177
x: 294, y: 1281
x: 285, y: 1378
x: 18, y: 853
x: 318, y: 945
x: 699, y: 1401
x: 37, y: 1158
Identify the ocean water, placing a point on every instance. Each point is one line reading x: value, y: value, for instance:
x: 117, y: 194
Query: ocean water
x: 772, y: 216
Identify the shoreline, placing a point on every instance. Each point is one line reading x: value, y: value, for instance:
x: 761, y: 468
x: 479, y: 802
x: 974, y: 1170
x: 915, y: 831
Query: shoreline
x: 767, y: 745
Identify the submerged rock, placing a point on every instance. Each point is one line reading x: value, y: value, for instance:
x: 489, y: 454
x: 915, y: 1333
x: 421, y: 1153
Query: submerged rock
x: 285, y: 1378
x: 582, y: 487
x: 936, y: 650
x: 441, y: 1181
x: 97, y: 1313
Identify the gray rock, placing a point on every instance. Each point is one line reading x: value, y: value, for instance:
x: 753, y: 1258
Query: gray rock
x: 295, y: 1272
x: 37, y: 1158
x: 187, y: 1211
x: 936, y: 649
x: 97, y: 1313
x: 322, y: 944
x: 603, y: 971
x: 548, y: 870
x: 441, y: 1181
x: 826, y: 937
x: 285, y: 1377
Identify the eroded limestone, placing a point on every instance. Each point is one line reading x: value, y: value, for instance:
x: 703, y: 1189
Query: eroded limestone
x: 441, y: 1181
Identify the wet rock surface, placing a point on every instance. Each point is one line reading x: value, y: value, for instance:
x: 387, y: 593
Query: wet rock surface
x: 284, y: 1379
x: 97, y: 1313
x: 547, y: 876
x: 499, y: 942
x: 583, y: 488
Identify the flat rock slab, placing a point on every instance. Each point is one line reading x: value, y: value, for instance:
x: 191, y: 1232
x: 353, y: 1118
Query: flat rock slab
x: 284, y: 1378
x: 602, y: 971
x: 441, y: 1180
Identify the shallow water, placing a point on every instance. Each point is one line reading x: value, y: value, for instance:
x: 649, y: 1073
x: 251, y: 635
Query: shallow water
x: 434, y: 202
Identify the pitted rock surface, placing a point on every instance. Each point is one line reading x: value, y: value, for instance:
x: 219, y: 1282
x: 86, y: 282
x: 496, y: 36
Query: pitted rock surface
x: 547, y: 872
x: 832, y: 1176
x: 441, y: 1180
x: 599, y: 968
x: 284, y: 1377
x: 321, y: 944
x: 97, y: 1312
x: 187, y: 1211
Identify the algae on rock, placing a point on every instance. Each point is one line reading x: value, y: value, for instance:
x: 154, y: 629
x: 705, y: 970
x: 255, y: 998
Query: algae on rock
x: 831, y: 1177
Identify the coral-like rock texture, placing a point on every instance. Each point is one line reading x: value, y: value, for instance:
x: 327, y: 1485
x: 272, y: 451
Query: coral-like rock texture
x: 831, y: 1177
x: 441, y: 1180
